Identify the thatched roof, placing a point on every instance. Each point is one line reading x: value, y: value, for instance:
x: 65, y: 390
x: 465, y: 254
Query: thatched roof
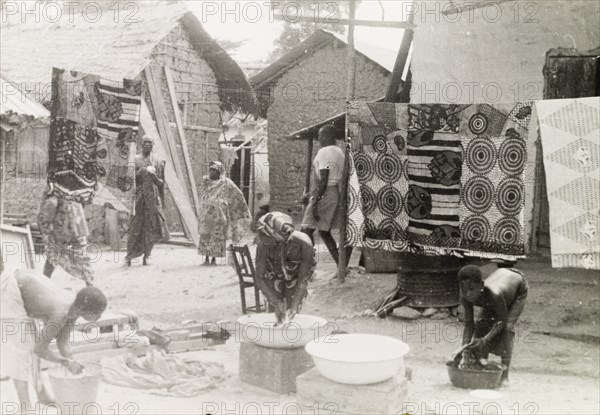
x: 112, y: 48
x: 13, y: 101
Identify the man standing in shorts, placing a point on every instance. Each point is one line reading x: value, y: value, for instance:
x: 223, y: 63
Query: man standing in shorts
x: 322, y: 212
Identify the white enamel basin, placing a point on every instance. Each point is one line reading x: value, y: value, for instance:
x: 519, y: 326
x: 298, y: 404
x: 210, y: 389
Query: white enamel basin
x: 358, y: 359
x: 260, y: 329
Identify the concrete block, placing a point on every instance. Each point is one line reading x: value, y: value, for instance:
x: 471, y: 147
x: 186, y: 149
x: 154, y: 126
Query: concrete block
x: 313, y: 390
x: 273, y: 369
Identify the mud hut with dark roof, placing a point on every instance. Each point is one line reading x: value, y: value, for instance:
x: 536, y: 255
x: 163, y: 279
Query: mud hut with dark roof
x: 305, y: 89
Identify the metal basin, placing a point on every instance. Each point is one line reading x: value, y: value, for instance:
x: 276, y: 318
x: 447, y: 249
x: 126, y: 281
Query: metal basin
x: 260, y: 329
x: 358, y: 359
x: 476, y: 379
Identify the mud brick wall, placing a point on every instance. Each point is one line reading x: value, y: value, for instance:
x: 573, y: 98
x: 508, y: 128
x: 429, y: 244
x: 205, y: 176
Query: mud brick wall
x: 196, y: 85
x: 24, y: 195
x: 308, y: 93
x: 94, y: 216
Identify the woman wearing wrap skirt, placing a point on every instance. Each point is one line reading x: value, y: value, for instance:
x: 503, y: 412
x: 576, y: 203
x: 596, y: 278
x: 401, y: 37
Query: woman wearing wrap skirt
x: 148, y: 225
x: 223, y: 213
x: 64, y: 232
x: 285, y: 263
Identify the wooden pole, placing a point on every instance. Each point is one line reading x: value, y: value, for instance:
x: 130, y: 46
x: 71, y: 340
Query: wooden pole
x: 2, y: 197
x: 349, y: 21
x: 252, y: 184
x: 309, y: 153
x: 344, y: 190
x: 242, y: 171
x: 401, y: 61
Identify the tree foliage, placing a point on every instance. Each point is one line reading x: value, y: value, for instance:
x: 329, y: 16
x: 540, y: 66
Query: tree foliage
x: 323, y: 13
x: 231, y: 46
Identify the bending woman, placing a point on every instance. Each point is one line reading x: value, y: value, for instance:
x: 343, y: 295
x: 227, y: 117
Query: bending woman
x: 285, y: 263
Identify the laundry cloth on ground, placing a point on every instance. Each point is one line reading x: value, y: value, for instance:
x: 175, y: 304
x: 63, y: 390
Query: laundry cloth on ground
x: 570, y: 134
x: 165, y: 374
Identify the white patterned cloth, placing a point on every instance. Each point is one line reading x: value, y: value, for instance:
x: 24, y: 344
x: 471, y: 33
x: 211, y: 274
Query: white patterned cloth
x: 570, y: 133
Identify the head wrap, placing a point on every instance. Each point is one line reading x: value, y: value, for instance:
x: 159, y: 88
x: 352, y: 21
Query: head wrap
x: 218, y: 166
x: 147, y: 138
x: 272, y: 225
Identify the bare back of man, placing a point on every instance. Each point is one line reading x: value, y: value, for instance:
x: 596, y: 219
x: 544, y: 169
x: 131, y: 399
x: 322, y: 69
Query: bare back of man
x: 44, y: 300
x: 28, y: 295
x: 503, y: 283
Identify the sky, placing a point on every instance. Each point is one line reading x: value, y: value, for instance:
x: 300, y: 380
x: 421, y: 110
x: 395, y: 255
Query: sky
x: 251, y: 21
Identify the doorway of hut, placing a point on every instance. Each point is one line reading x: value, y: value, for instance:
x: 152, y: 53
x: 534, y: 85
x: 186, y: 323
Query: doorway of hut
x: 241, y: 169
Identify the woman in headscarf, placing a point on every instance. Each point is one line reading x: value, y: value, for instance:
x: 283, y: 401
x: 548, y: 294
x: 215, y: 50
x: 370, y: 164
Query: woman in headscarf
x: 285, y: 263
x: 224, y: 213
x: 148, y: 225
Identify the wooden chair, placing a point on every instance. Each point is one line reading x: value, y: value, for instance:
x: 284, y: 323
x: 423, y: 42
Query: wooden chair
x: 245, y: 270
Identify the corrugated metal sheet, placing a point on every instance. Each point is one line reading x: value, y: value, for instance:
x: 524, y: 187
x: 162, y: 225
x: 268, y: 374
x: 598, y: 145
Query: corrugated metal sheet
x: 11, y: 99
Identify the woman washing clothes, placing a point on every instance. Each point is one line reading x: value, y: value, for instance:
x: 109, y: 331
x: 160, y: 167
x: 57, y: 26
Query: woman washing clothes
x: 224, y: 212
x: 285, y: 263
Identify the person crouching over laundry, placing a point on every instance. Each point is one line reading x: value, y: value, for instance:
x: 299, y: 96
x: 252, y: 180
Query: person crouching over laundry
x: 25, y: 296
x: 502, y: 297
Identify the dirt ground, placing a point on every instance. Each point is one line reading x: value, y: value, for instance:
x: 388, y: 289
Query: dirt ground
x: 555, y: 369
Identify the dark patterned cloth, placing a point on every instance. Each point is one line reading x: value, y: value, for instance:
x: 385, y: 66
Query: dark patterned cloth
x: 434, y: 173
x: 493, y: 190
x: 225, y: 214
x: 148, y: 224
x: 64, y: 232
x: 285, y: 264
x: 93, y: 129
x: 438, y: 179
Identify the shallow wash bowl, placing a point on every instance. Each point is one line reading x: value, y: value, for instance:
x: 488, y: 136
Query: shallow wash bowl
x: 358, y: 359
x: 260, y: 329
x: 475, y: 379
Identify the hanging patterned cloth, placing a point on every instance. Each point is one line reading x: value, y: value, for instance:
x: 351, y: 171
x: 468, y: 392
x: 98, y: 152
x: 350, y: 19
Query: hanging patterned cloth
x: 570, y: 131
x: 439, y: 179
x: 93, y: 130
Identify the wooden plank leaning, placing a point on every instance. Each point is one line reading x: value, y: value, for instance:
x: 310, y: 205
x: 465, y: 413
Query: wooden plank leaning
x: 173, y: 181
x: 182, y: 139
x: 161, y: 119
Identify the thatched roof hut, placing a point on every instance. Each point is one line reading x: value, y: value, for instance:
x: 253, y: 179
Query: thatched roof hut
x: 118, y: 48
x: 163, y: 36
